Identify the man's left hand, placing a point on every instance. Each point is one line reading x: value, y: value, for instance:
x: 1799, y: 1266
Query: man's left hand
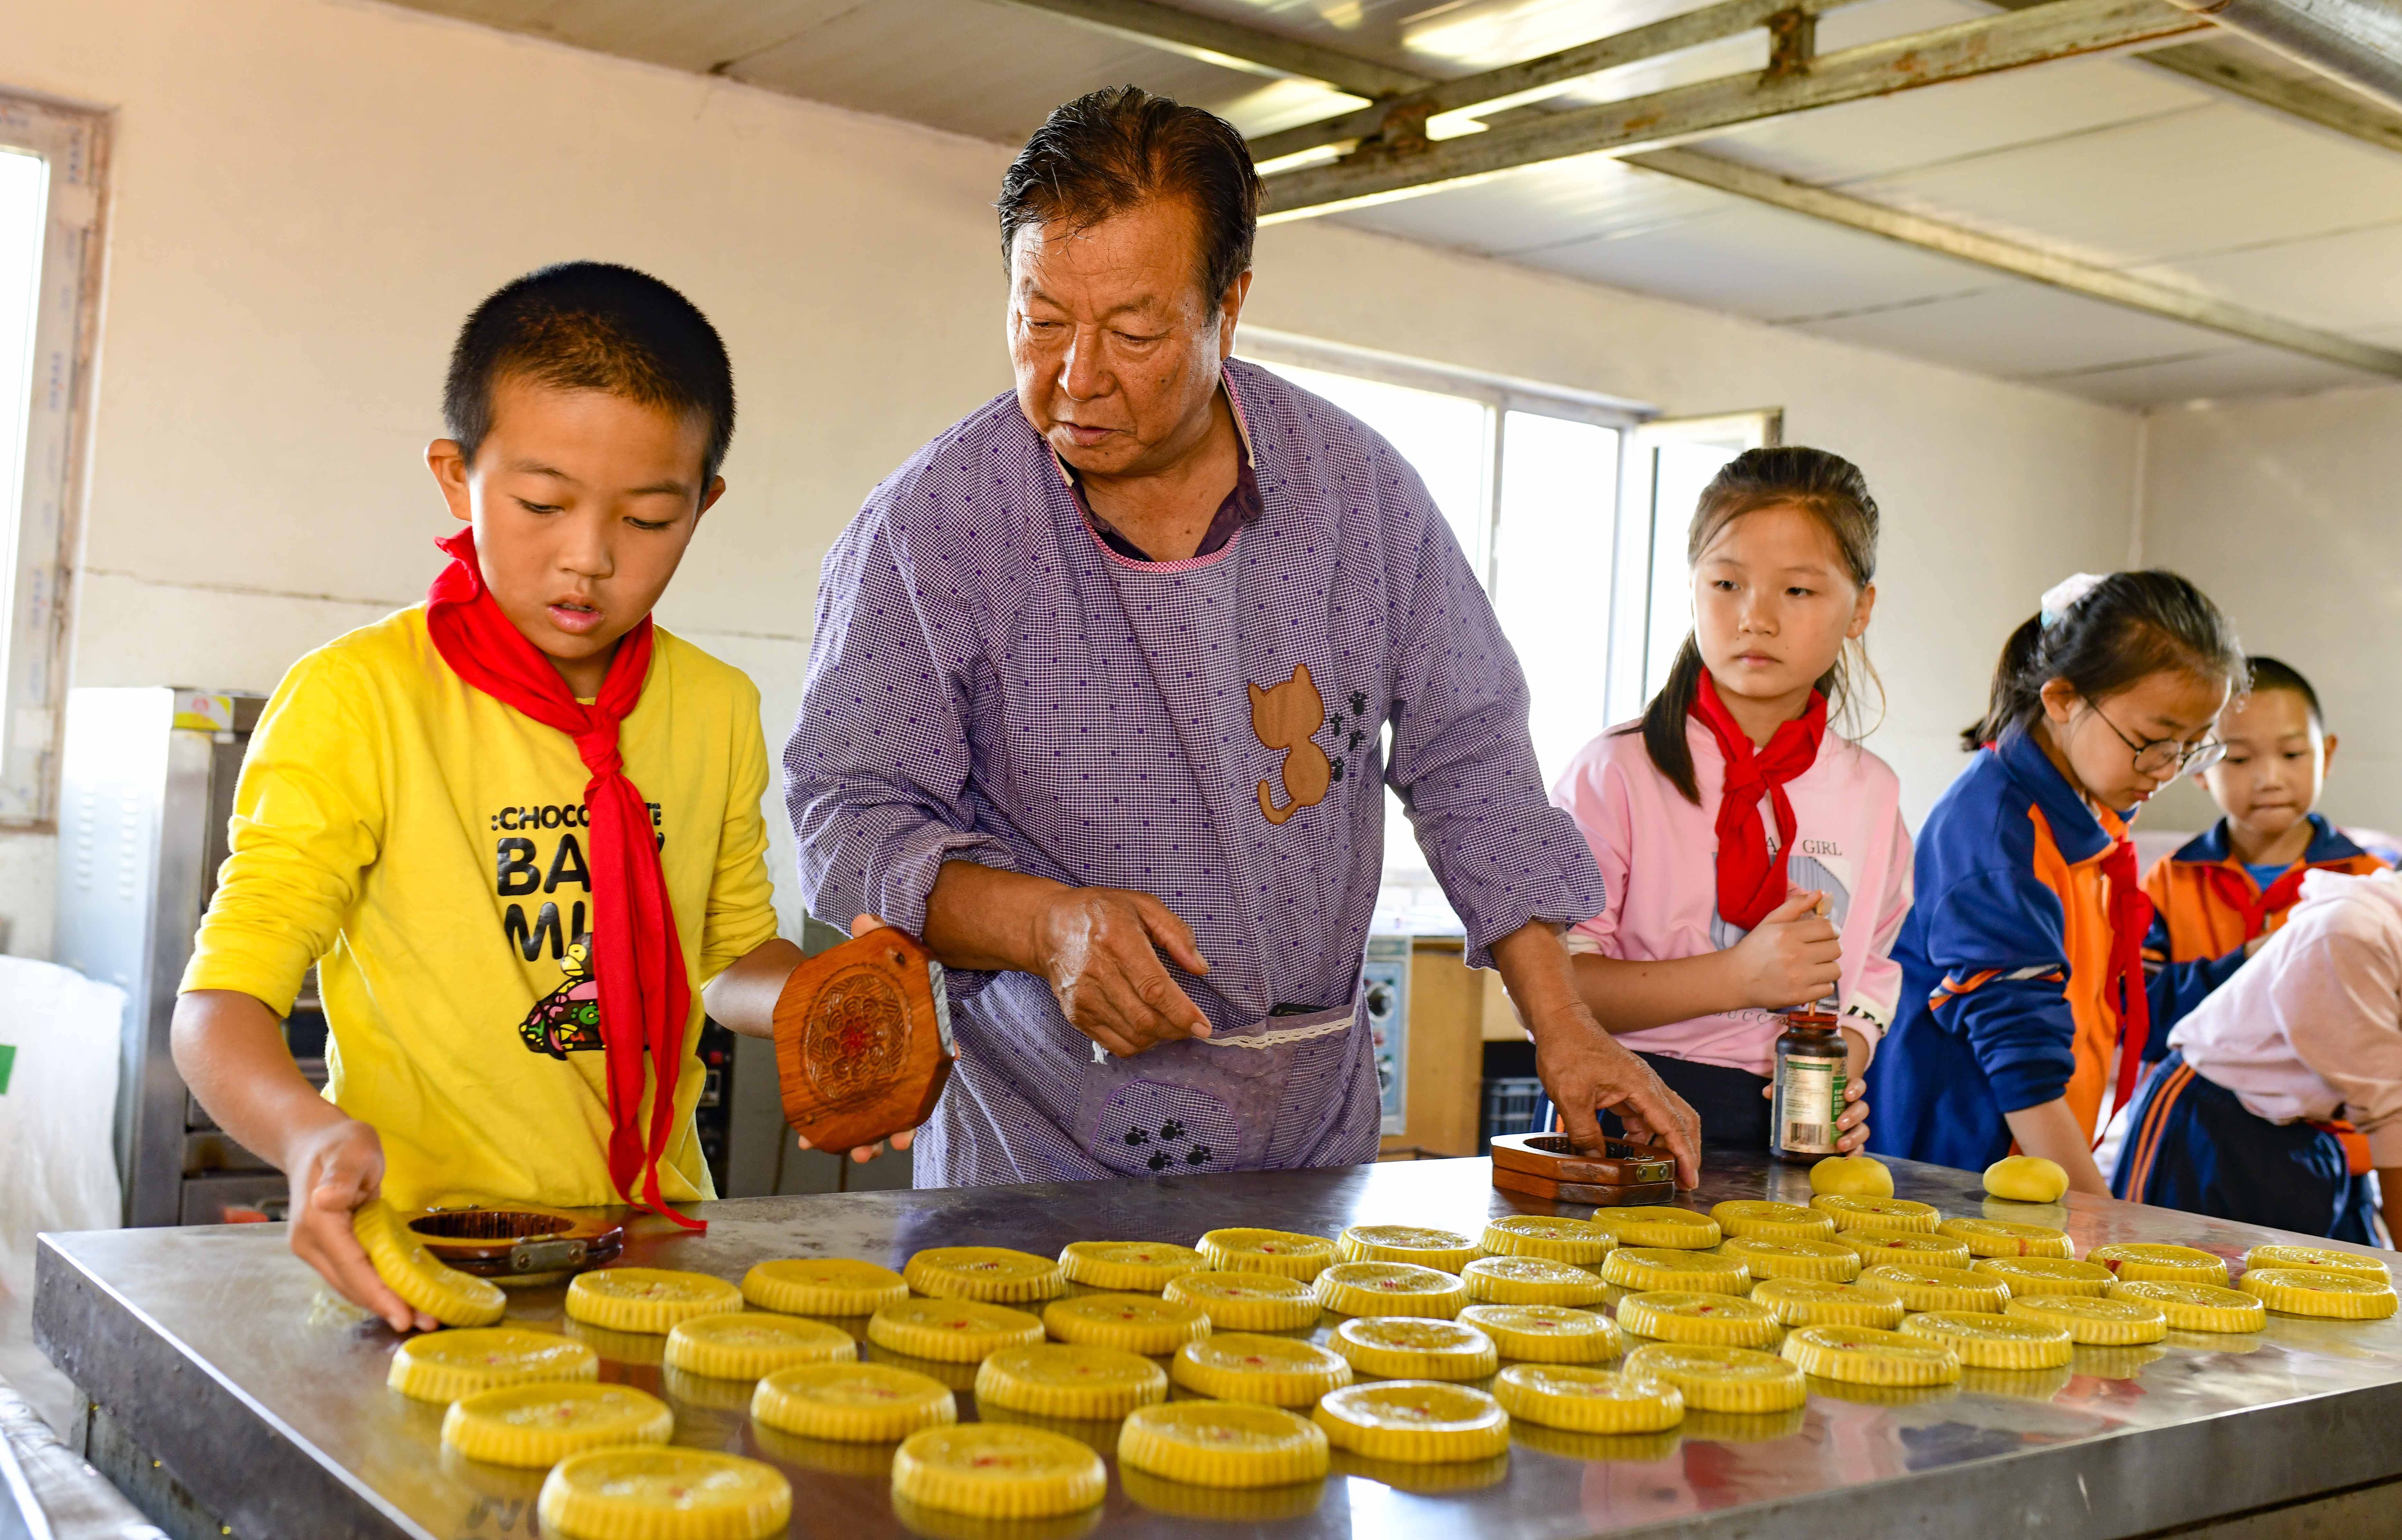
x: 1583, y: 1068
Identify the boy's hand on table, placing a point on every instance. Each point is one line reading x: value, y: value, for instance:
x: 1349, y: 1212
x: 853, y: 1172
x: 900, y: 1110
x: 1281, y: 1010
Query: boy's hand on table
x: 230, y: 1047
x: 333, y: 1171
x: 1790, y: 958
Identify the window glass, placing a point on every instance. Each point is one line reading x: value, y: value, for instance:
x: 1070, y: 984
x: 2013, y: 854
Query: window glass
x: 1680, y: 472
x: 1551, y: 568
x: 21, y: 182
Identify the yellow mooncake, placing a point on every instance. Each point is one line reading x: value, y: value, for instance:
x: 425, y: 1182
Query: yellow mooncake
x: 687, y: 1493
x: 1546, y: 1334
x: 650, y: 1301
x: 1238, y: 1444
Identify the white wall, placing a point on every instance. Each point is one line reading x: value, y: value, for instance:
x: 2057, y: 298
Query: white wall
x: 2286, y: 513
x: 308, y: 195
x: 1990, y: 492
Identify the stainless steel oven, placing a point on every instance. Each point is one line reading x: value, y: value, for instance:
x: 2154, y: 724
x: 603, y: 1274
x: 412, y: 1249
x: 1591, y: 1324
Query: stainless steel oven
x: 146, y: 788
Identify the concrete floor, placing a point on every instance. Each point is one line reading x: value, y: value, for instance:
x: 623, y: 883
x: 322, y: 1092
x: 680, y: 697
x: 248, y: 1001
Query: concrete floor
x: 22, y: 1366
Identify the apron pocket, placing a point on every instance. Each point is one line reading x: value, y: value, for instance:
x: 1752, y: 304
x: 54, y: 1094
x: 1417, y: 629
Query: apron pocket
x: 1236, y: 1101
x: 1152, y: 1128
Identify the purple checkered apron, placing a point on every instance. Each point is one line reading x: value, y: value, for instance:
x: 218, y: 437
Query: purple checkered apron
x: 988, y: 683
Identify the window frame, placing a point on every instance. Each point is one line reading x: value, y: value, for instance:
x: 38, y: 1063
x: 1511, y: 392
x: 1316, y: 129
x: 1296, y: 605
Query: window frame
x: 73, y: 146
x: 1498, y: 393
x: 1638, y: 553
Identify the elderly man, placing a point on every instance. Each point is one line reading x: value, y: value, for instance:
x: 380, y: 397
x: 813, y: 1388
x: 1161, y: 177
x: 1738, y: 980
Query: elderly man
x: 1099, y: 706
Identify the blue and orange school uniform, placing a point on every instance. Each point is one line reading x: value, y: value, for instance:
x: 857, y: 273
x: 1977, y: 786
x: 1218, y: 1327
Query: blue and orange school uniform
x: 2207, y: 905
x: 2193, y: 1145
x: 2247, y: 1117
x: 2020, y: 962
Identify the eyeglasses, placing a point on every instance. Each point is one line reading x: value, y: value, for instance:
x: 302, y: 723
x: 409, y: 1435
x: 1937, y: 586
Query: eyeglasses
x: 2166, y: 756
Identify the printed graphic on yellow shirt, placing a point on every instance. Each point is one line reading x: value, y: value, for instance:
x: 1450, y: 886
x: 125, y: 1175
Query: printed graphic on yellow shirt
x: 568, y: 1018
x: 527, y: 880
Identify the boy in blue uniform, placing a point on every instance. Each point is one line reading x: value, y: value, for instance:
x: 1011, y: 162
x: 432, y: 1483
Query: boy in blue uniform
x: 2231, y: 886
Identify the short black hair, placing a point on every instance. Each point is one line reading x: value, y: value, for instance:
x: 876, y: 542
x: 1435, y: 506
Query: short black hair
x: 2268, y: 674
x: 591, y: 326
x: 1112, y: 149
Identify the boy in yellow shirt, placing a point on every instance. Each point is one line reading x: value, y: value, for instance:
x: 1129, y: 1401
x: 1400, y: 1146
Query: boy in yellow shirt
x: 516, y: 827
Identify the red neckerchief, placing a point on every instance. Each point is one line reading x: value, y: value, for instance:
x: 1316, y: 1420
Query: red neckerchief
x: 645, y: 999
x: 2235, y: 888
x: 1752, y: 882
x: 2130, y: 917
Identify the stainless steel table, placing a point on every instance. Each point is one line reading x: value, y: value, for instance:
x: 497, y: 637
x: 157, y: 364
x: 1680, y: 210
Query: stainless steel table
x: 221, y: 1354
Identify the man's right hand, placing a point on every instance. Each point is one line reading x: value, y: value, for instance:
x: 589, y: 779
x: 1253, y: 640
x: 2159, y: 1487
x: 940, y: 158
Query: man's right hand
x: 333, y: 1170
x: 1791, y: 958
x: 1101, y: 951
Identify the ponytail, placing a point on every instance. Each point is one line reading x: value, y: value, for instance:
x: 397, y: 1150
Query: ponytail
x: 2125, y: 627
x: 2016, y: 696
x: 1832, y: 489
x: 1663, y: 721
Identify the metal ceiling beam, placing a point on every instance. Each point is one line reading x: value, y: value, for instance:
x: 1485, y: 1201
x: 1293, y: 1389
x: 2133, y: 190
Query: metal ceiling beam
x: 1529, y: 80
x: 1228, y: 43
x: 2059, y: 29
x: 2053, y: 269
x: 2356, y: 42
x: 2225, y: 66
x: 2232, y: 67
x: 2016, y: 259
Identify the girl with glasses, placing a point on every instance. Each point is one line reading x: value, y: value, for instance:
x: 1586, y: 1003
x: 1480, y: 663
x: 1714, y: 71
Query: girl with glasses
x: 2024, y: 1013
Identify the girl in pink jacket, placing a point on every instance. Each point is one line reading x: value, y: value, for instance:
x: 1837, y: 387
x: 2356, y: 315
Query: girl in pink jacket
x: 1755, y: 860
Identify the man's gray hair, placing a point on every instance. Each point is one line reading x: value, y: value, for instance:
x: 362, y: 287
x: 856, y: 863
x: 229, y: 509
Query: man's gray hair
x: 1112, y: 149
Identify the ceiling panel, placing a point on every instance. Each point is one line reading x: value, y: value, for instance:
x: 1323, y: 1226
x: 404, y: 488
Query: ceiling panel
x: 1000, y: 70
x: 2346, y: 281
x: 2241, y: 370
x: 2188, y: 182
x: 1542, y: 207
x: 693, y: 34
x: 1749, y: 259
x: 1963, y: 118
x: 2021, y: 330
x: 1465, y: 35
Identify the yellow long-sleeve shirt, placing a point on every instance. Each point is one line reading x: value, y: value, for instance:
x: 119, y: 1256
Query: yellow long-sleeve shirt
x: 423, y: 844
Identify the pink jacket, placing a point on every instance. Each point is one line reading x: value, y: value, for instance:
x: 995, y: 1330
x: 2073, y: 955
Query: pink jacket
x: 1659, y: 854
x: 2312, y: 1026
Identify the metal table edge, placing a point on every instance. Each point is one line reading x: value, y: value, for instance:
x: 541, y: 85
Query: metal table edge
x: 2111, y: 1486
x: 260, y: 1474
x: 2093, y: 1498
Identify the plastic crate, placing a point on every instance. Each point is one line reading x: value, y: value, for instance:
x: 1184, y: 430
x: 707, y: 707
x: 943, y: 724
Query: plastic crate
x: 1508, y: 1108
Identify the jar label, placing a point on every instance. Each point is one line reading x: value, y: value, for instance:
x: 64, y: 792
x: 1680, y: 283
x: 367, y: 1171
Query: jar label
x: 1809, y: 1098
